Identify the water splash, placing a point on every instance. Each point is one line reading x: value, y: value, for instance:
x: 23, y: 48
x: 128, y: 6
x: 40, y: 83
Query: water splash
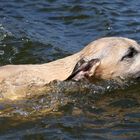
x: 4, y: 33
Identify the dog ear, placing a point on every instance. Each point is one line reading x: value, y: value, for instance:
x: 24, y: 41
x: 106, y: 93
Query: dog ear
x: 84, y: 69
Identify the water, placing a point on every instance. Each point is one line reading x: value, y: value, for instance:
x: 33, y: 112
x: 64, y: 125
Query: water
x: 39, y: 31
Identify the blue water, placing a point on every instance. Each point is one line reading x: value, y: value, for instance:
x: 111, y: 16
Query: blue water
x: 39, y: 31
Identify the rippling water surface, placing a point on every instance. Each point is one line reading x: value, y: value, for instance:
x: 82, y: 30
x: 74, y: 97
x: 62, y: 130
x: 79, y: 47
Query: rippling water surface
x: 39, y: 31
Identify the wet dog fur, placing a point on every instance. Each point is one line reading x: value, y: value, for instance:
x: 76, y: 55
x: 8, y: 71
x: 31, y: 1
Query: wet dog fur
x: 105, y: 58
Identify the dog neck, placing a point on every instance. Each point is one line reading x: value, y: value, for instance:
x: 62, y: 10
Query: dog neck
x: 26, y: 74
x: 59, y: 69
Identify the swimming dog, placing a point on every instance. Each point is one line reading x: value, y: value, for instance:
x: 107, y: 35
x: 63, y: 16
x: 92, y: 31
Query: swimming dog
x: 105, y: 58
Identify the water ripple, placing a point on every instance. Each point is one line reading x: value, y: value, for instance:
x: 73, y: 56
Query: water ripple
x: 42, y: 31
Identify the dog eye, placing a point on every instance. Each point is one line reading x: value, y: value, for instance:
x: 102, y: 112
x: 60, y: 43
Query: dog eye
x: 130, y: 54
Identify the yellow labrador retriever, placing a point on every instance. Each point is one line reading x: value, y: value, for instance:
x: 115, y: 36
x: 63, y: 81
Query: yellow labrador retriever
x: 105, y: 58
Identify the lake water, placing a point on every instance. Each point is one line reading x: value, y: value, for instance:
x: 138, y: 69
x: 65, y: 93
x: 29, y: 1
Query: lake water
x: 39, y: 31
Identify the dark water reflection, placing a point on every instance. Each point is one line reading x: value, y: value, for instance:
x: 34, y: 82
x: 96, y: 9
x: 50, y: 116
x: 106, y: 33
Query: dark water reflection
x: 44, y: 30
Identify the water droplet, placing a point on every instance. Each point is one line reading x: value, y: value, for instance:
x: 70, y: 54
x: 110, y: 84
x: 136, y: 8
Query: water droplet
x: 1, y: 52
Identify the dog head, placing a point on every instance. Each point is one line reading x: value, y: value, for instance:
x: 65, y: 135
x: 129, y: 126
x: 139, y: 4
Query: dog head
x: 108, y: 58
